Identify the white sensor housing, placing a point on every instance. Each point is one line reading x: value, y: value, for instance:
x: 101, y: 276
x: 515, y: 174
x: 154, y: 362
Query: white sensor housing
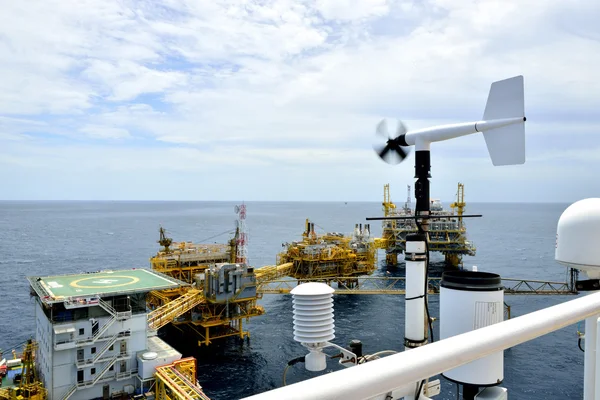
x: 313, y: 321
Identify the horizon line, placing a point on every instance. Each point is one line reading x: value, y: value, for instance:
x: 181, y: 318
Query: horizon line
x: 258, y: 201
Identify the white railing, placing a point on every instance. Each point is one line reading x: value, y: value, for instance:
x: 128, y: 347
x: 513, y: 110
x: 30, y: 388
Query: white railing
x: 107, y: 307
x: 71, y: 390
x: 397, y: 375
x: 114, y: 317
x: 119, y: 315
x: 126, y: 375
x: 98, y: 377
x: 97, y: 358
x: 92, y: 339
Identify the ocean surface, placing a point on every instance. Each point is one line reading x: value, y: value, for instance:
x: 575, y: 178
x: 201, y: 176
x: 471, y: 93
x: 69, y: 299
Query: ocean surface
x: 514, y: 240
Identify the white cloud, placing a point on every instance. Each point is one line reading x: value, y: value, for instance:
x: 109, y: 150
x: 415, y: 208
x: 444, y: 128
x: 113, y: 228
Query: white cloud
x: 351, y: 10
x: 126, y: 80
x: 292, y: 85
x: 105, y: 132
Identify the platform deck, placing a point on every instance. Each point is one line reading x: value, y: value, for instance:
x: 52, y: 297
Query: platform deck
x: 104, y: 283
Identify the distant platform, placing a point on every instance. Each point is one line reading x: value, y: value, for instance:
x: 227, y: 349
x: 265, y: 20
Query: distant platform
x: 61, y: 287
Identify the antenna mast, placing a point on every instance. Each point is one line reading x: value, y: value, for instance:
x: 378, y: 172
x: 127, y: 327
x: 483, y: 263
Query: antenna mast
x: 241, y: 256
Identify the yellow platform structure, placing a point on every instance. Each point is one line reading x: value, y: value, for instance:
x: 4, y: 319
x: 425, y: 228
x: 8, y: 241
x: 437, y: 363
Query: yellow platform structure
x: 329, y: 256
x: 447, y: 233
x: 177, y: 381
x: 190, y: 308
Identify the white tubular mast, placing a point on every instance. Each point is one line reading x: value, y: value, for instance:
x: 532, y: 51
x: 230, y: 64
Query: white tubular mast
x: 415, y: 324
x: 415, y: 331
x: 394, y: 376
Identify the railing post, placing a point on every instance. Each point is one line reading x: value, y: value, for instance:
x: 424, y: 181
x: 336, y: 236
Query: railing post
x: 589, y: 366
x: 596, y: 360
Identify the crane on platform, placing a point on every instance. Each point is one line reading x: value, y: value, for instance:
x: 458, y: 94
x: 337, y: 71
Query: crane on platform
x: 26, y: 386
x: 459, y: 205
x: 387, y: 204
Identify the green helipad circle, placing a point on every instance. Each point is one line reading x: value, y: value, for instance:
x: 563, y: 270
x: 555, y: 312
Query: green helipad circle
x: 105, y: 282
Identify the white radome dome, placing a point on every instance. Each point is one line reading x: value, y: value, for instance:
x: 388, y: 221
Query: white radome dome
x: 578, y: 237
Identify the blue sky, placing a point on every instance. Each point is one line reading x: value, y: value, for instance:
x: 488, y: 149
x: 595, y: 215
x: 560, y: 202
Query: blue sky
x: 278, y: 100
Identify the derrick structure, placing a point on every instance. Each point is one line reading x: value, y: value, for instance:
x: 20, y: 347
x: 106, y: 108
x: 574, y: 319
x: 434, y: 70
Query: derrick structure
x: 447, y: 234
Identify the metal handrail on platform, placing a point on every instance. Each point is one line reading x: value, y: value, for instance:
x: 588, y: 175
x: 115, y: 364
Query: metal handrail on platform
x: 168, y: 312
x: 398, y: 375
x: 396, y: 286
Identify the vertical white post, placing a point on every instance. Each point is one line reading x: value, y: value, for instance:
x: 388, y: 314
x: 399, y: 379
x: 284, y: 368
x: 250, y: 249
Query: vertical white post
x: 589, y: 366
x: 414, y: 309
x: 596, y: 362
x: 415, y: 293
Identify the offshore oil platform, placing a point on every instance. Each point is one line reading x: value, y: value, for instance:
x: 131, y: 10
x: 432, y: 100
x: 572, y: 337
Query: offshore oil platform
x: 447, y: 232
x: 224, y: 289
x: 330, y: 255
x: 92, y: 341
x: 222, y: 292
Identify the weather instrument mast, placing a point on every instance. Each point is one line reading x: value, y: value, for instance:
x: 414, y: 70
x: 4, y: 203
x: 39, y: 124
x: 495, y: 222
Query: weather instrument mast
x: 503, y: 128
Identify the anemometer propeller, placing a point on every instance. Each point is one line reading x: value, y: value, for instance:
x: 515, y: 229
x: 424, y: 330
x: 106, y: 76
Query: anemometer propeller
x: 503, y: 128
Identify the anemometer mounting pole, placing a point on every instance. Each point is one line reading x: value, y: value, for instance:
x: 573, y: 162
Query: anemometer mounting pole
x: 416, y: 254
x: 422, y: 173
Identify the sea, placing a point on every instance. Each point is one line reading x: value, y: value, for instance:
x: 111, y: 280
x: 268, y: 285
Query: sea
x: 513, y: 240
